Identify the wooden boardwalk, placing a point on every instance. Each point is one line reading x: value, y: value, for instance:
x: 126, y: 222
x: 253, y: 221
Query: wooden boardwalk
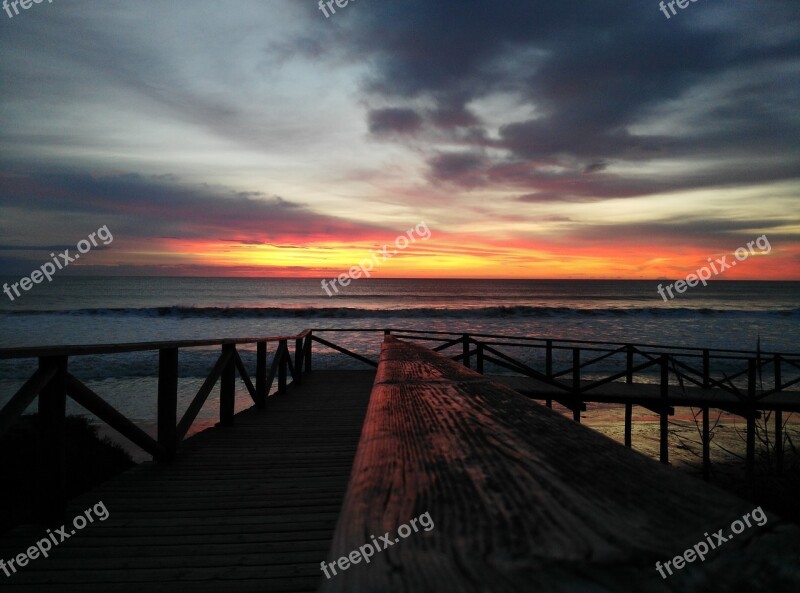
x: 519, y: 498
x: 522, y: 498
x: 251, y: 507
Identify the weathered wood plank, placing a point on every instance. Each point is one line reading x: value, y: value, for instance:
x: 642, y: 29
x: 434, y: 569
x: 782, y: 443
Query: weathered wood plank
x: 245, y: 508
x: 523, y: 499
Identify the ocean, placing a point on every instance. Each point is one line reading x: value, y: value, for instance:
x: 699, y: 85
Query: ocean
x: 85, y: 310
x: 79, y: 310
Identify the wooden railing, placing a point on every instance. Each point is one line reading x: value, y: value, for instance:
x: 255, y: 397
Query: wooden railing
x: 486, y: 351
x: 673, y: 366
x: 52, y: 382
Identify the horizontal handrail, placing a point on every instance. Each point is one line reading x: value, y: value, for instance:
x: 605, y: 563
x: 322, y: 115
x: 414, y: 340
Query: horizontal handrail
x: 555, y: 344
x: 93, y: 349
x: 344, y: 351
x: 567, y: 341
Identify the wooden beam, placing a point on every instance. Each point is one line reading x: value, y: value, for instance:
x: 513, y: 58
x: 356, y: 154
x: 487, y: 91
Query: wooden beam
x: 282, y: 355
x: 447, y: 345
x: 298, y: 361
x: 663, y: 416
x: 548, y: 362
x: 520, y: 367
x: 750, y: 462
x: 51, y: 480
x: 706, y: 445
x: 751, y: 418
x: 261, y: 375
x: 244, y: 375
x: 227, y: 386
x: 307, y: 351
x: 111, y: 416
x: 168, y: 402
x: 197, y: 403
x: 779, y: 442
x: 576, y: 371
x: 576, y: 384
x: 20, y: 401
x: 273, y: 370
x: 628, y: 421
x: 519, y: 498
x: 345, y: 351
x: 629, y: 364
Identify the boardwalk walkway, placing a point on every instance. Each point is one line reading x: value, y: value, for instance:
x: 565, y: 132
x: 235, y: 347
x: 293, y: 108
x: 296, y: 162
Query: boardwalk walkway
x: 246, y: 508
x: 521, y: 496
x: 518, y: 498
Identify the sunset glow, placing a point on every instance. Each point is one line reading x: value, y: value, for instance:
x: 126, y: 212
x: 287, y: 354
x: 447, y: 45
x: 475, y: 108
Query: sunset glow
x: 271, y: 141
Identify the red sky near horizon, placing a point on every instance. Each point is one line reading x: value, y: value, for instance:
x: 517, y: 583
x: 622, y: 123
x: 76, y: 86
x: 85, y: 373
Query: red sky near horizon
x: 444, y: 255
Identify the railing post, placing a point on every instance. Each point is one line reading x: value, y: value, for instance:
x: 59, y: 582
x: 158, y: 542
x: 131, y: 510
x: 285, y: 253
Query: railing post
x: 778, y: 441
x: 664, y: 417
x: 51, y: 471
x: 706, y: 369
x: 309, y: 341
x: 261, y: 375
x: 576, y: 384
x: 549, y: 359
x: 298, y: 360
x: 465, y: 349
x: 629, y: 364
x: 778, y: 378
x: 283, y: 353
x: 751, y: 417
x: 168, y: 402
x: 628, y: 421
x: 706, y: 446
x: 479, y: 358
x: 227, y: 387
x: 576, y: 370
x: 387, y: 332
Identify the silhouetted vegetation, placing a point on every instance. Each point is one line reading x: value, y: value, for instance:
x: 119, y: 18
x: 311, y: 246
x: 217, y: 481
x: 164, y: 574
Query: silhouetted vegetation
x: 90, y: 460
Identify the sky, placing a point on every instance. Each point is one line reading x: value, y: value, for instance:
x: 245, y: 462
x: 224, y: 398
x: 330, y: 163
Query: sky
x: 558, y: 139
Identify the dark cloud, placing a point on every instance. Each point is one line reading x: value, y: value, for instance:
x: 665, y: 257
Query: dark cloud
x: 394, y: 121
x: 594, y: 71
x: 454, y: 116
x: 461, y: 168
x: 594, y: 167
x: 11, y: 247
x: 679, y: 233
x: 142, y: 207
x: 574, y: 185
x: 544, y: 197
